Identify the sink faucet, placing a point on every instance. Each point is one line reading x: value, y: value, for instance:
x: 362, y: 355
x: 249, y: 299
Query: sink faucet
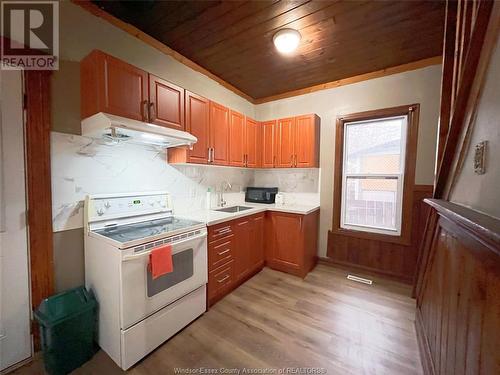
x: 224, y: 186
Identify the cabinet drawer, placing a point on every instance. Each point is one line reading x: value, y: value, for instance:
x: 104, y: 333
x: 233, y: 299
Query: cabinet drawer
x: 221, y: 280
x: 219, y: 231
x: 220, y: 252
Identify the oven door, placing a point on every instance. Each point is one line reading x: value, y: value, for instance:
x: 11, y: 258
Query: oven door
x: 142, y: 296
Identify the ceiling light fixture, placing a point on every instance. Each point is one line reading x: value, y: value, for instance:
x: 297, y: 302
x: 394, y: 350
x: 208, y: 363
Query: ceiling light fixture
x: 286, y: 40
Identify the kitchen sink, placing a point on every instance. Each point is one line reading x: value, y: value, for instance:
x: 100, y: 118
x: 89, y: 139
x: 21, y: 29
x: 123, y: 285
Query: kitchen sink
x: 233, y: 209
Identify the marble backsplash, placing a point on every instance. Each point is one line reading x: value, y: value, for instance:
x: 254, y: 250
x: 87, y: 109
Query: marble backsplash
x: 82, y: 166
x: 298, y: 180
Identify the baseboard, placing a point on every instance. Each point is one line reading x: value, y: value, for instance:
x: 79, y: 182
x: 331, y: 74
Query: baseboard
x: 365, y: 270
x: 423, y: 345
x: 17, y: 366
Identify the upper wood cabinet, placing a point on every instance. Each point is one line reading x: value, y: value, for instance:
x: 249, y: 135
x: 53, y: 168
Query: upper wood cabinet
x: 244, y: 146
x: 253, y: 138
x: 297, y: 142
x: 166, y: 103
x: 219, y: 134
x: 210, y: 123
x: 268, y: 143
x: 237, y: 139
x: 197, y: 123
x: 285, y: 143
x: 111, y: 85
x: 225, y: 137
x: 307, y: 131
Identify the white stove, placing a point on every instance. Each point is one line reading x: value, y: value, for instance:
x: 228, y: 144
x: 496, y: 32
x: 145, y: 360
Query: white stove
x: 136, y: 312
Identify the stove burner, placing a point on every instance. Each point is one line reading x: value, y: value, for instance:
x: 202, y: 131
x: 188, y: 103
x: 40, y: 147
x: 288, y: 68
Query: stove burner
x: 144, y: 229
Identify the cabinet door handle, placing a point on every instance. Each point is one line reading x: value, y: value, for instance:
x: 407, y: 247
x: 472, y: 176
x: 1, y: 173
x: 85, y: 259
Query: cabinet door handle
x: 274, y: 161
x: 212, y: 155
x: 151, y: 112
x: 223, y: 252
x: 224, y: 231
x: 145, y: 111
x: 223, y: 279
x: 295, y: 164
x: 291, y: 161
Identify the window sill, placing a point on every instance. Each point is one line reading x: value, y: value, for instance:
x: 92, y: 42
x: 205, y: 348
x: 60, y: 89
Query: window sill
x: 404, y: 240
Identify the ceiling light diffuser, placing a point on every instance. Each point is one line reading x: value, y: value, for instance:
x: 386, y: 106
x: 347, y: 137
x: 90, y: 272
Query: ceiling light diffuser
x: 286, y: 40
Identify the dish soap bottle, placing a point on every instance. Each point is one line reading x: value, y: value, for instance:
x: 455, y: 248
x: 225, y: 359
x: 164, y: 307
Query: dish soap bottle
x: 208, y: 202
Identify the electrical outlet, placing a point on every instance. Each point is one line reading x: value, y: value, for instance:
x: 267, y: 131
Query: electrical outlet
x: 479, y: 157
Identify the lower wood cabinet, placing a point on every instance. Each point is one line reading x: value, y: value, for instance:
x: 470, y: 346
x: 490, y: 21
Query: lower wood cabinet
x: 235, y: 253
x: 220, y: 282
x: 292, y: 242
x: 239, y: 248
x: 257, y: 258
x: 249, y: 245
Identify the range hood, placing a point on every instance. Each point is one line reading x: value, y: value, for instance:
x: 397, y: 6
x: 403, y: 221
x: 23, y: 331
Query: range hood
x: 117, y: 129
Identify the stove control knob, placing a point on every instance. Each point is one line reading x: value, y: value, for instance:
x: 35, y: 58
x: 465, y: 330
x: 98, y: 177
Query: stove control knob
x: 107, y: 205
x: 100, y: 211
x: 151, y: 202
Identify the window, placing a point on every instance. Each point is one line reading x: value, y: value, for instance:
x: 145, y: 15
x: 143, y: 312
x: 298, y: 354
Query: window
x: 373, y: 165
x: 375, y: 158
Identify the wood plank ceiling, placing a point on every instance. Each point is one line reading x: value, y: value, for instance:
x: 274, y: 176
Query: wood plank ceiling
x: 340, y: 39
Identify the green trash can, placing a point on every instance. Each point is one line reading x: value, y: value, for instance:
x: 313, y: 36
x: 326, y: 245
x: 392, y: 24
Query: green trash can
x: 67, y: 330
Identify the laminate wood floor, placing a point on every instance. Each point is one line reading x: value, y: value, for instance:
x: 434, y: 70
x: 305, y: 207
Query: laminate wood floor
x: 277, y: 321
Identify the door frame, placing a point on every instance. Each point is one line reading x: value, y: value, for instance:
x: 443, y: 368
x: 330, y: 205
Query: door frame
x: 28, y: 359
x: 37, y: 112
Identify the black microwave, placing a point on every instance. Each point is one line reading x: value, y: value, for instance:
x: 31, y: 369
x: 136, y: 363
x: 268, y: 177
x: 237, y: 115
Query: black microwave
x: 261, y: 195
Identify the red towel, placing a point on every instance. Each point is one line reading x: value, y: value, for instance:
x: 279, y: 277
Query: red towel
x: 160, y: 261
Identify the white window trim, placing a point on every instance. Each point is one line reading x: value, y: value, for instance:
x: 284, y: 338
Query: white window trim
x: 399, y: 176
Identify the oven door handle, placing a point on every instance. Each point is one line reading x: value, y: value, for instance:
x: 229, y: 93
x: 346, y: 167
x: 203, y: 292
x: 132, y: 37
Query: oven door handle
x: 143, y: 254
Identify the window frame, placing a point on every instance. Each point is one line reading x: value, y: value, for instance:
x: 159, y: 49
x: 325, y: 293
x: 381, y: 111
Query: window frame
x: 408, y: 175
x: 397, y: 176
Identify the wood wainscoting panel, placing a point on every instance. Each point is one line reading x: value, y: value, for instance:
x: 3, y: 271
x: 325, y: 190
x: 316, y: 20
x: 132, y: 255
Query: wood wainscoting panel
x: 392, y: 259
x: 458, y: 304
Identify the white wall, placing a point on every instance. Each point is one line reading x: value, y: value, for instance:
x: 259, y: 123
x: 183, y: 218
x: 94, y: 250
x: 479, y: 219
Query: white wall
x: 81, y: 166
x: 482, y: 192
x: 418, y: 86
x: 81, y: 32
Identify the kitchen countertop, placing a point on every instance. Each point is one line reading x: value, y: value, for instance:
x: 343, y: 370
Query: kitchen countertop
x: 212, y: 217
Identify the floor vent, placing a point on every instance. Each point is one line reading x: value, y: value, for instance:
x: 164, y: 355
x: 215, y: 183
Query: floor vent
x: 359, y: 279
